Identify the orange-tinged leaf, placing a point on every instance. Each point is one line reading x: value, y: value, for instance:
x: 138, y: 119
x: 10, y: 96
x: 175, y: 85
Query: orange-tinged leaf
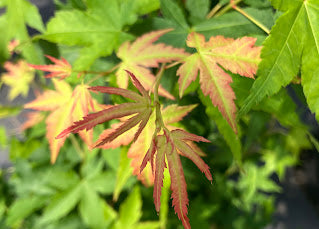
x: 123, y: 140
x: 216, y: 84
x: 60, y: 68
x: 174, y: 113
x: 66, y: 107
x: 238, y: 56
x: 188, y: 72
x: 139, y: 112
x: 18, y: 78
x: 137, y: 151
x: 141, y: 108
x: 50, y: 100
x: 91, y: 120
x: 143, y: 54
x: 33, y: 118
x: 56, y: 122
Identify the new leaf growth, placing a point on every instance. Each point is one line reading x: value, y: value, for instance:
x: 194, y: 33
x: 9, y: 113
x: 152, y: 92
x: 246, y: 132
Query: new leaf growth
x: 166, y: 145
x: 141, y: 109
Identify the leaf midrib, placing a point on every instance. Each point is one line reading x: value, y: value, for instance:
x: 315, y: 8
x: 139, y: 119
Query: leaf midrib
x: 311, y: 26
x: 207, y: 28
x: 280, y: 53
x: 261, y: 88
x: 201, y: 55
x: 233, y: 57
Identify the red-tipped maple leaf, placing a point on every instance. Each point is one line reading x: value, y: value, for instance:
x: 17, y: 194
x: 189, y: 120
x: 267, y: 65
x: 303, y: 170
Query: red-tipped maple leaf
x: 66, y: 106
x: 238, y: 56
x: 167, y: 146
x: 141, y: 55
x: 60, y: 68
x: 154, y: 150
x: 18, y: 78
x: 140, y: 111
x: 171, y: 114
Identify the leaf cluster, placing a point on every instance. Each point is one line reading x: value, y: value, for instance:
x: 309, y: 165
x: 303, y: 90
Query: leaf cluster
x: 179, y: 55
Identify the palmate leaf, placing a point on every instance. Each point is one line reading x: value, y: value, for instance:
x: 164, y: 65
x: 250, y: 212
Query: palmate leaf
x: 141, y: 55
x: 141, y: 109
x: 18, y: 78
x: 60, y: 68
x: 238, y: 56
x: 98, y: 30
x: 19, y: 15
x: 287, y: 51
x: 65, y: 107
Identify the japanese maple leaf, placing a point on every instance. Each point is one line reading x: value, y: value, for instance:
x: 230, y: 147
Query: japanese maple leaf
x: 18, y: 78
x: 140, y: 111
x: 171, y: 114
x: 212, y: 59
x: 166, y: 146
x: 60, y: 68
x: 141, y: 55
x: 65, y: 106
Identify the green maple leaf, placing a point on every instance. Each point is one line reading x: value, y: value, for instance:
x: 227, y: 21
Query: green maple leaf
x: 98, y: 30
x: 292, y: 47
x: 13, y: 25
x: 254, y: 181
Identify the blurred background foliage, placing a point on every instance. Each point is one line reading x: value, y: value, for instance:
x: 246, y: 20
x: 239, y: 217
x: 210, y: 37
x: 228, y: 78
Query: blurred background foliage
x: 96, y: 189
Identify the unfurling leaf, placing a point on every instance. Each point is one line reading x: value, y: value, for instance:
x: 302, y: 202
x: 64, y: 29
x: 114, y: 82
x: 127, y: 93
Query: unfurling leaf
x: 141, y: 109
x: 137, y: 151
x: 163, y: 147
x: 65, y: 107
x: 18, y: 78
x: 141, y: 55
x: 60, y: 68
x: 167, y: 146
x: 211, y: 60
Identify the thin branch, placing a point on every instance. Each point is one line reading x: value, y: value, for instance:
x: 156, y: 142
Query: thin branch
x: 159, y: 119
x: 228, y: 7
x: 214, y: 11
x: 99, y: 74
x: 77, y: 147
x: 252, y: 19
